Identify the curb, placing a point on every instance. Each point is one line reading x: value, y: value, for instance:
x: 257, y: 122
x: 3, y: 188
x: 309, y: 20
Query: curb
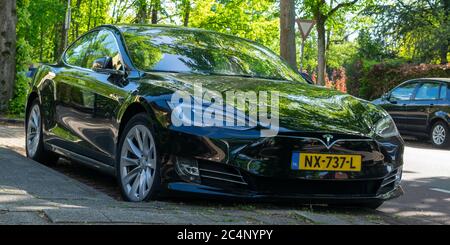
x: 12, y: 121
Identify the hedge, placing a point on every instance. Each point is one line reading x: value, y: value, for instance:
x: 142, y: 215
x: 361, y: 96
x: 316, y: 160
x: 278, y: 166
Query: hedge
x: 369, y: 80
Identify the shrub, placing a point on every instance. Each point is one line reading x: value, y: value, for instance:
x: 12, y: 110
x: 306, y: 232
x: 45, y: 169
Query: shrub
x: 369, y: 80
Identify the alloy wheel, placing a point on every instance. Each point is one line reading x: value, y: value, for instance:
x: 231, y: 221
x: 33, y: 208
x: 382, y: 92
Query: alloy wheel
x: 138, y: 163
x: 439, y: 134
x: 33, y: 130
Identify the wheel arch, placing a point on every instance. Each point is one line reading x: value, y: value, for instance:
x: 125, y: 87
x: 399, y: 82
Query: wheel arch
x: 31, y: 97
x: 139, y: 105
x: 439, y: 117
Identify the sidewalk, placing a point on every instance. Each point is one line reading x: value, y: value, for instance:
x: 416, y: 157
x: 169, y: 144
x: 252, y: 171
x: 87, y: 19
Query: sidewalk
x: 31, y: 193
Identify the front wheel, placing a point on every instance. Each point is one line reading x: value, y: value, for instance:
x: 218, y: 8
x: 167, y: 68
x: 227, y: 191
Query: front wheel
x: 138, y: 168
x: 440, y: 135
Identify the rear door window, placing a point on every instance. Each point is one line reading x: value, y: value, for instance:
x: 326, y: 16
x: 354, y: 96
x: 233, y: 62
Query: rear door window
x: 78, y: 54
x: 428, y: 91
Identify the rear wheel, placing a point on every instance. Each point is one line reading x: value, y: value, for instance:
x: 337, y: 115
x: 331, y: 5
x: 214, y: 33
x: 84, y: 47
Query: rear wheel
x: 440, y: 134
x: 138, y: 168
x: 34, y: 137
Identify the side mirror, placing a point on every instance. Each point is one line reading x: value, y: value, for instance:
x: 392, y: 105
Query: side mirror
x: 105, y: 65
x: 102, y: 63
x: 386, y: 96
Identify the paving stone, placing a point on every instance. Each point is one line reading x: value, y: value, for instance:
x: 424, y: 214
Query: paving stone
x: 40, y: 181
x: 328, y: 219
x: 22, y: 218
x: 83, y: 215
x: 142, y: 217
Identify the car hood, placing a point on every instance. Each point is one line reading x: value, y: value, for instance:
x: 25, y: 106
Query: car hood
x: 303, y: 107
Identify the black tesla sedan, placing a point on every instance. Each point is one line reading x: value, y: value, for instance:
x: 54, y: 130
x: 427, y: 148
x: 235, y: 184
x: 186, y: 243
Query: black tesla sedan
x: 120, y: 100
x: 421, y: 108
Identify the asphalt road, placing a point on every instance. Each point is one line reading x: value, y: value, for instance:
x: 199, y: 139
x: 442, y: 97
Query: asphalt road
x: 426, y: 181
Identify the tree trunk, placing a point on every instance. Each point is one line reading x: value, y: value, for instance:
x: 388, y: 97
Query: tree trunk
x: 187, y: 12
x: 90, y: 15
x: 443, y: 53
x: 77, y: 23
x: 327, y: 41
x: 142, y: 17
x: 8, y: 22
x: 155, y: 9
x: 446, y: 43
x: 321, y: 58
x: 287, y: 32
x: 59, y: 40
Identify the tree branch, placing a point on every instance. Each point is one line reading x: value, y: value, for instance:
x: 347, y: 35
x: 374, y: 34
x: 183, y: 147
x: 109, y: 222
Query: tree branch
x: 341, y: 5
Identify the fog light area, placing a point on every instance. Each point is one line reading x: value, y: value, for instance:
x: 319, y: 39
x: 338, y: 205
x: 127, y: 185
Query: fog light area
x: 187, y: 169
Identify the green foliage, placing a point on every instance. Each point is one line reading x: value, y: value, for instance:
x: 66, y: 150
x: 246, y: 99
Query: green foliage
x: 417, y: 30
x: 252, y: 19
x: 377, y: 39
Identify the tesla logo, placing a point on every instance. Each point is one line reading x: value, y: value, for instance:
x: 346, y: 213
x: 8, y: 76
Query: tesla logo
x: 328, y: 137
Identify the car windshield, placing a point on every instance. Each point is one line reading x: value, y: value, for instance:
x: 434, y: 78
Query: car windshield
x: 203, y: 52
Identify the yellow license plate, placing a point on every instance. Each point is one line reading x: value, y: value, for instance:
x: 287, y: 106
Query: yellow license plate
x: 326, y: 162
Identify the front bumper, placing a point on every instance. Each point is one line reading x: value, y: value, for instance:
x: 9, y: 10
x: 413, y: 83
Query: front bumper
x: 196, y: 190
x: 260, y: 169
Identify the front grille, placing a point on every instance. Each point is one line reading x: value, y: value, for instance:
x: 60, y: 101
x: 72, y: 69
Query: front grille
x: 220, y: 175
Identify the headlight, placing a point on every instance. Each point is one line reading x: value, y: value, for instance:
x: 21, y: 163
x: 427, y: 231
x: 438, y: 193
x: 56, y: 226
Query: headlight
x: 386, y: 127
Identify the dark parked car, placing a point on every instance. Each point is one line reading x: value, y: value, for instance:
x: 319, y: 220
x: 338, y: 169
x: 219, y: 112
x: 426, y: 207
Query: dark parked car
x: 107, y: 103
x: 421, y: 108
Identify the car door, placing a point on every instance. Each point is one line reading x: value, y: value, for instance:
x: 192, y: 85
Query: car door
x: 92, y: 99
x: 72, y: 104
x: 425, y: 99
x: 396, y: 102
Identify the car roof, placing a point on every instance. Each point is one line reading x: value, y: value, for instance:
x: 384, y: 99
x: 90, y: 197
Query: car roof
x: 439, y: 79
x: 123, y: 27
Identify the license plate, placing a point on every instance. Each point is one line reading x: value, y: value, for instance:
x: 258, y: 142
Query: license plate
x: 326, y: 162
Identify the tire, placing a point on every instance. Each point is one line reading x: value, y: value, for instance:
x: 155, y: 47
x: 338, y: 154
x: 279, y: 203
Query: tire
x: 440, y: 135
x: 34, y: 143
x: 137, y: 162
